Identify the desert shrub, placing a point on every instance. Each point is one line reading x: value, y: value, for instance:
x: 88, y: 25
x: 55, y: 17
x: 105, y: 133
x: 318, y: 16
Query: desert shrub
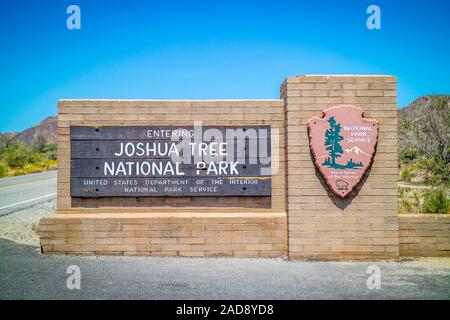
x: 426, y: 139
x: 51, y: 152
x: 17, y: 158
x: 406, y: 175
x: 408, y: 155
x: 3, y: 171
x: 19, y: 154
x: 40, y: 145
x: 48, y: 150
x: 5, y: 143
x: 409, y: 200
x: 433, y: 200
x: 36, y: 158
x: 437, y: 171
x: 403, y: 200
x: 436, y: 201
x: 430, y: 131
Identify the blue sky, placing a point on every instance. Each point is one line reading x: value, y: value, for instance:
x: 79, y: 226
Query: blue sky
x: 209, y: 49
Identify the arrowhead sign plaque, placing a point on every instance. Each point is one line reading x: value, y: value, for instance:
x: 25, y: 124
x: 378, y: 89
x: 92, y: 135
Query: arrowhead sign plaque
x: 343, y: 144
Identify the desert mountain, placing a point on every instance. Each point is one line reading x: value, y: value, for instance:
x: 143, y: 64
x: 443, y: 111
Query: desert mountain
x: 356, y: 150
x: 417, y: 110
x: 10, y: 135
x: 45, y: 128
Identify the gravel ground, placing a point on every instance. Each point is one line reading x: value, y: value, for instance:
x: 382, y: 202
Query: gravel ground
x: 27, y: 274
x: 19, y: 226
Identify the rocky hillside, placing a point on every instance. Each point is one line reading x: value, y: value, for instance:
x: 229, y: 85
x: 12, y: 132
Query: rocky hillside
x: 417, y: 107
x: 415, y: 111
x: 46, y: 128
x: 9, y: 134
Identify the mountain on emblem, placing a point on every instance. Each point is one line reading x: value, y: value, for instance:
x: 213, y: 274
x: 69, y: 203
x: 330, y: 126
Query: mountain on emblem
x: 343, y: 143
x: 356, y: 150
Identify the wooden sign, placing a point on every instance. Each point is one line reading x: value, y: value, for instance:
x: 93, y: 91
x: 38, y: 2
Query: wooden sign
x: 343, y: 144
x: 141, y: 161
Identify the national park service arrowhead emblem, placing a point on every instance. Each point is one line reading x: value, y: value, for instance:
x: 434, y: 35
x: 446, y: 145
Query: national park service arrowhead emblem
x: 343, y: 144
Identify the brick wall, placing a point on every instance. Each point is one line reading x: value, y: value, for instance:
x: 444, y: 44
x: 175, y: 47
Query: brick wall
x: 321, y: 225
x: 426, y: 235
x: 185, y: 226
x: 302, y: 218
x: 153, y: 112
x: 170, y: 234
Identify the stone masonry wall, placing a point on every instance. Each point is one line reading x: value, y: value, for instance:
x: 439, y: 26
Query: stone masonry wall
x: 302, y: 219
x: 175, y: 226
x: 321, y: 225
x: 424, y: 235
x: 153, y: 112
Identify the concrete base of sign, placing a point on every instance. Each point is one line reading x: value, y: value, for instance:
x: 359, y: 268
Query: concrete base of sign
x: 242, y: 234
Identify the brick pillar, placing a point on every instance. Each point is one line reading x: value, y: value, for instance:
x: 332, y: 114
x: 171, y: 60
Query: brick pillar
x: 320, y: 225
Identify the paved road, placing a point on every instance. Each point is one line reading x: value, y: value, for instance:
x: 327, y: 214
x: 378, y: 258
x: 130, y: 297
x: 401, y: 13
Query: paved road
x: 23, y: 191
x: 27, y: 274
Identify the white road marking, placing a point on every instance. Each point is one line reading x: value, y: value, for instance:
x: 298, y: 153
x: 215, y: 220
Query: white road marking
x: 22, y: 202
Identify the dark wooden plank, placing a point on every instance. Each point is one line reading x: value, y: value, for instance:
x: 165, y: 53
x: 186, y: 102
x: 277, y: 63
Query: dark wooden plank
x: 96, y: 168
x: 94, y: 150
x: 165, y: 132
x: 163, y: 149
x: 172, y: 187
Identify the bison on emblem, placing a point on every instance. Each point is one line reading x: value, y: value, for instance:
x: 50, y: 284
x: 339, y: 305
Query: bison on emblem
x: 341, y: 185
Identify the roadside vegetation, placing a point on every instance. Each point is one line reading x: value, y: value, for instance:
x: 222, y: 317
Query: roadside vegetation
x: 17, y: 158
x: 425, y: 158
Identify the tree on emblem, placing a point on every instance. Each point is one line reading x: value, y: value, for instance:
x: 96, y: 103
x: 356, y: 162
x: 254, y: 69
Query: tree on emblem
x: 334, y: 148
x: 332, y: 139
